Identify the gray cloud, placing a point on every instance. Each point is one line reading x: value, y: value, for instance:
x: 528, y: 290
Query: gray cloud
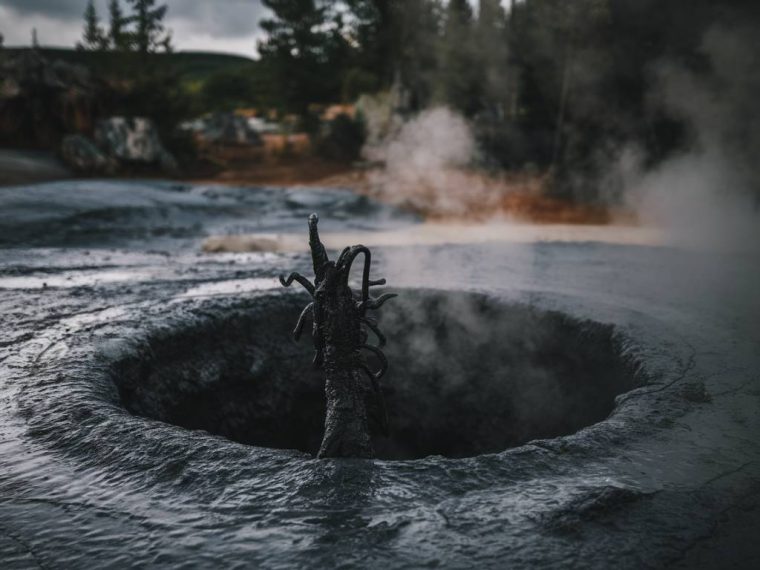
x: 225, y: 18
x: 222, y: 25
x: 62, y: 9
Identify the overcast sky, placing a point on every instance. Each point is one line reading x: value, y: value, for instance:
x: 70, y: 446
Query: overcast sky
x: 215, y: 25
x: 230, y: 26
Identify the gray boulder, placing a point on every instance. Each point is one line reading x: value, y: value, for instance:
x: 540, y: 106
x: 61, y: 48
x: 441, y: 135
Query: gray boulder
x: 228, y: 129
x: 82, y: 155
x: 43, y: 100
x: 134, y: 140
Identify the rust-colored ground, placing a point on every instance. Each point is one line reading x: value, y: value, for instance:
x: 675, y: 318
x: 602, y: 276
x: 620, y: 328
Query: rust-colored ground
x: 302, y: 172
x: 455, y: 196
x: 468, y: 196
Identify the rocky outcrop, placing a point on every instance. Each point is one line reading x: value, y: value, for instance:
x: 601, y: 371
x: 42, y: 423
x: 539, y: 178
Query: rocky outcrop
x: 81, y: 154
x: 225, y: 129
x: 43, y: 100
x: 134, y: 141
x: 121, y: 144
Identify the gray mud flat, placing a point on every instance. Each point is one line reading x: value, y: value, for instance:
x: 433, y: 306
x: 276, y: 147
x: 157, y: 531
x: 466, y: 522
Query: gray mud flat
x: 152, y: 404
x: 27, y: 167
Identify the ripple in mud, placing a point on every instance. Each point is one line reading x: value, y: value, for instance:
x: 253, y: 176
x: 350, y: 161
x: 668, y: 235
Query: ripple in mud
x: 469, y: 375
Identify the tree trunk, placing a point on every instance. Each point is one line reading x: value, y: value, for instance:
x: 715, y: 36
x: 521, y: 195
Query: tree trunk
x: 346, y: 425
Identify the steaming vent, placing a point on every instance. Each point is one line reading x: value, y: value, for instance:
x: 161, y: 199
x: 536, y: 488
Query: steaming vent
x: 469, y: 375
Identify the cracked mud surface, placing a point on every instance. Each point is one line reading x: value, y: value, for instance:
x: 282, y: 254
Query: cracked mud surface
x: 671, y: 478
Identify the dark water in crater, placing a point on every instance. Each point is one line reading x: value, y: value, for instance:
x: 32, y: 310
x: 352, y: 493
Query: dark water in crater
x: 650, y: 351
x: 470, y: 376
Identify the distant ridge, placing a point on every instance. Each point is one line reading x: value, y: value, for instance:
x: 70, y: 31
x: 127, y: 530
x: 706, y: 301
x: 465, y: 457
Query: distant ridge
x: 190, y: 65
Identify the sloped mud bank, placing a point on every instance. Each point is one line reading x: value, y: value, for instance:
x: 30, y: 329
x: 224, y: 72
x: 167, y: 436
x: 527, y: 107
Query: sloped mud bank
x: 151, y: 399
x: 470, y: 375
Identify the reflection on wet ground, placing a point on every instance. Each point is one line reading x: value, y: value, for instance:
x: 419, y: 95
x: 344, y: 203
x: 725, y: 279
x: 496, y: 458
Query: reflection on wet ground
x: 670, y: 478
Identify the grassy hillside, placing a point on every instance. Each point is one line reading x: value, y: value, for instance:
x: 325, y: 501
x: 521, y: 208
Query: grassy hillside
x: 192, y: 67
x: 199, y: 66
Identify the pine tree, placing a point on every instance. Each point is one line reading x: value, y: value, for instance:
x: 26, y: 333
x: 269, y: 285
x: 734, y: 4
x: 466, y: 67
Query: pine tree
x: 415, y: 45
x: 93, y: 37
x: 166, y: 43
x: 372, y: 32
x: 296, y: 50
x: 492, y: 53
x: 119, y: 36
x: 458, y: 82
x: 149, y: 33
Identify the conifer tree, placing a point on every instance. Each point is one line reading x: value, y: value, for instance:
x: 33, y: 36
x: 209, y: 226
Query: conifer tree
x: 457, y: 81
x: 93, y: 37
x: 418, y: 57
x: 149, y: 32
x: 296, y: 49
x: 119, y: 37
x: 491, y: 47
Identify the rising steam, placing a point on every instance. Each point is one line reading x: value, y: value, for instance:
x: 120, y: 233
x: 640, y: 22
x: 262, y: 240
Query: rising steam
x: 428, y: 166
x: 707, y: 195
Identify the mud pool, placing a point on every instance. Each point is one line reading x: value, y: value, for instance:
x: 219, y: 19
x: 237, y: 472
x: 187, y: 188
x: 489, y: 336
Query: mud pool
x: 153, y: 406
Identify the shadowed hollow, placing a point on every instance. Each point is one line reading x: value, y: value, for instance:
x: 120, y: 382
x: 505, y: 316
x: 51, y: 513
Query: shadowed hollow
x: 469, y: 375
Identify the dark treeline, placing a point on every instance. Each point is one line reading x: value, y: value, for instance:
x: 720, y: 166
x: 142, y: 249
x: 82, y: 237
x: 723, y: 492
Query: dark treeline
x: 554, y: 83
x: 129, y: 50
x: 141, y: 30
x: 564, y: 86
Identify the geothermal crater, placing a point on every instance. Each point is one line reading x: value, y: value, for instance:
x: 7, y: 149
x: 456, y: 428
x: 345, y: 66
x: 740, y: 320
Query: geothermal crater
x: 469, y: 375
x: 201, y: 341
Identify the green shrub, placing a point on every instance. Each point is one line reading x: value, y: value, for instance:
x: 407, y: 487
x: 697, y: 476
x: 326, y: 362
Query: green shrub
x: 343, y: 139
